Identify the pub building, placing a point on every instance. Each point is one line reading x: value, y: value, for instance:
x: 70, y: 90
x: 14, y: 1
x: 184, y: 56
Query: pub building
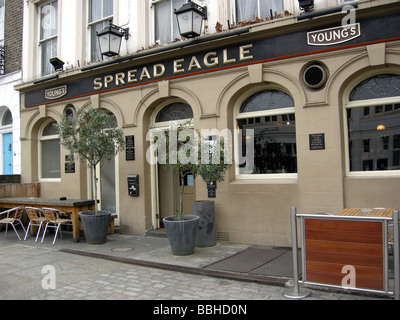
x: 319, y: 88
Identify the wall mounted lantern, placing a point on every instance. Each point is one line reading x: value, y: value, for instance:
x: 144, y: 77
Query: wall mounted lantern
x: 306, y: 5
x: 57, y: 64
x: 190, y: 19
x: 110, y: 39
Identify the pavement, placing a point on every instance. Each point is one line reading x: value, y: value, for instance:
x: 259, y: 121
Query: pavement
x: 129, y: 267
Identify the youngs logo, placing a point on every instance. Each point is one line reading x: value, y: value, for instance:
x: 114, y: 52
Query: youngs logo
x: 333, y: 36
x: 349, y: 30
x: 55, y: 93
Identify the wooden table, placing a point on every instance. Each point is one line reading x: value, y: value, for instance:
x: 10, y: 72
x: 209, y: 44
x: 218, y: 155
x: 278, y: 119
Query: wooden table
x: 74, y: 206
x: 367, y: 212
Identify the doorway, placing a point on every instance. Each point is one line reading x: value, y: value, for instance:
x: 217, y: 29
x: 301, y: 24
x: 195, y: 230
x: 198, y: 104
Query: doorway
x: 7, y: 153
x: 108, y: 200
x: 169, y: 186
x: 165, y: 186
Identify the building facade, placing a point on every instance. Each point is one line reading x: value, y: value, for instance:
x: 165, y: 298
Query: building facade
x: 311, y: 102
x: 11, y: 15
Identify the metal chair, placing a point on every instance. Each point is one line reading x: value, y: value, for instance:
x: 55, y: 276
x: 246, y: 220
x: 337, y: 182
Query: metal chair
x: 36, y: 218
x: 54, y: 221
x: 13, y: 218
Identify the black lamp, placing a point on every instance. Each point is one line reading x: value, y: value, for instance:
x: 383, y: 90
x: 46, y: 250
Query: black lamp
x: 306, y: 5
x: 110, y: 39
x: 57, y: 64
x: 190, y: 19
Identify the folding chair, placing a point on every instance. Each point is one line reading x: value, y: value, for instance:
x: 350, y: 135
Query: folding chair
x: 36, y: 218
x: 13, y: 218
x: 53, y: 221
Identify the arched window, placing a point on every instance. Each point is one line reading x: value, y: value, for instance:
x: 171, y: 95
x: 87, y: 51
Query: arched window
x: 7, y: 118
x: 266, y: 134
x: 174, y: 111
x: 373, y: 131
x: 49, y: 153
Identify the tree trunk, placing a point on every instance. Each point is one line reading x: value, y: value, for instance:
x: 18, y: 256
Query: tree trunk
x: 95, y: 189
x: 182, y: 177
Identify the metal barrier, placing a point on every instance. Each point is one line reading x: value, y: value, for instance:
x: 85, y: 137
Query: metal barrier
x: 297, y: 293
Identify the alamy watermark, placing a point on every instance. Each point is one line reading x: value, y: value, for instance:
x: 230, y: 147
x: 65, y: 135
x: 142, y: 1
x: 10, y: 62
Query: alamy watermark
x: 185, y: 146
x: 49, y: 280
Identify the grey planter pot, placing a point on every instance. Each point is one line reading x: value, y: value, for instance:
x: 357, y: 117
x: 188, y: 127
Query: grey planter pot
x: 182, y: 234
x: 95, y: 226
x: 206, y: 237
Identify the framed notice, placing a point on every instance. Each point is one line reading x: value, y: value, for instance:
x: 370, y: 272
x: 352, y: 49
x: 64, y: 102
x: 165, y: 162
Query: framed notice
x: 317, y: 141
x: 130, y: 148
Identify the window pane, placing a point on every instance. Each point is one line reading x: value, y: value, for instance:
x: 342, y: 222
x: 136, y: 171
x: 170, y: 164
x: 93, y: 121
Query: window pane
x: 267, y: 100
x: 246, y: 10
x: 2, y: 13
x: 176, y: 5
x: 175, y: 111
x: 50, y: 130
x: 383, y: 86
x: 373, y: 139
x: 107, y: 8
x: 48, y: 20
x: 100, y: 9
x: 7, y: 118
x: 95, y: 48
x: 49, y: 50
x: 274, y: 144
x: 50, y: 158
x: 267, y: 5
x: 163, y: 17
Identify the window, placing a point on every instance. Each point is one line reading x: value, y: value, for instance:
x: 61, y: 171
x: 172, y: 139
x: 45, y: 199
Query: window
x: 2, y: 15
x: 7, y: 118
x: 249, y: 9
x: 373, y: 115
x: 165, y: 24
x: 48, y: 35
x: 50, y: 166
x: 175, y: 111
x: 100, y: 13
x: 266, y: 123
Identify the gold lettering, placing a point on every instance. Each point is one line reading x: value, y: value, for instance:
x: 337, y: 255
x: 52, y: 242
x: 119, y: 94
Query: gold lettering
x: 145, y: 74
x: 119, y: 78
x: 213, y: 61
x: 194, y: 63
x: 225, y: 57
x: 158, y: 70
x: 243, y: 51
x: 132, y: 76
x: 98, y: 84
x: 178, y: 66
x: 107, y: 80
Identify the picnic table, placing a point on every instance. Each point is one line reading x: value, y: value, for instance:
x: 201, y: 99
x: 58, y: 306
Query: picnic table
x: 73, y: 206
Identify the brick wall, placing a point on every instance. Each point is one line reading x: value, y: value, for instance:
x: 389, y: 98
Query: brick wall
x: 13, y: 35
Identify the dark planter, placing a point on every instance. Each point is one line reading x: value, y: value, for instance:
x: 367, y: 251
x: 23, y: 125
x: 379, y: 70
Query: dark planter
x: 182, y: 234
x: 95, y: 226
x: 206, y: 237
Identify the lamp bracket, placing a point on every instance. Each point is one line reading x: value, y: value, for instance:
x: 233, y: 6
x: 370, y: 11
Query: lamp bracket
x: 124, y: 31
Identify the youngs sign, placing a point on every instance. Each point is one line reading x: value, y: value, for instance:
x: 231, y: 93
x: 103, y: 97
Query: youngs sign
x: 332, y: 36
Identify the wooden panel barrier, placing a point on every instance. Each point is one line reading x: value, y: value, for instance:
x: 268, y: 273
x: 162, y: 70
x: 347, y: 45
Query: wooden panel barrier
x: 332, y: 244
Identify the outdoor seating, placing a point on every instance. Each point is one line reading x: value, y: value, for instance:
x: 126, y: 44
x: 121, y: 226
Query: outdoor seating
x: 54, y: 221
x: 36, y: 218
x: 13, y: 218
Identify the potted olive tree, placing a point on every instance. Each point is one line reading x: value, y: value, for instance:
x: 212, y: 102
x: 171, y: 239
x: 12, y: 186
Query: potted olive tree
x: 88, y: 135
x: 182, y: 148
x: 216, y: 159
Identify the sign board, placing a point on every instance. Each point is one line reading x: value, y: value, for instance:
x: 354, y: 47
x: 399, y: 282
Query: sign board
x: 130, y: 148
x: 332, y: 36
x: 317, y: 141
